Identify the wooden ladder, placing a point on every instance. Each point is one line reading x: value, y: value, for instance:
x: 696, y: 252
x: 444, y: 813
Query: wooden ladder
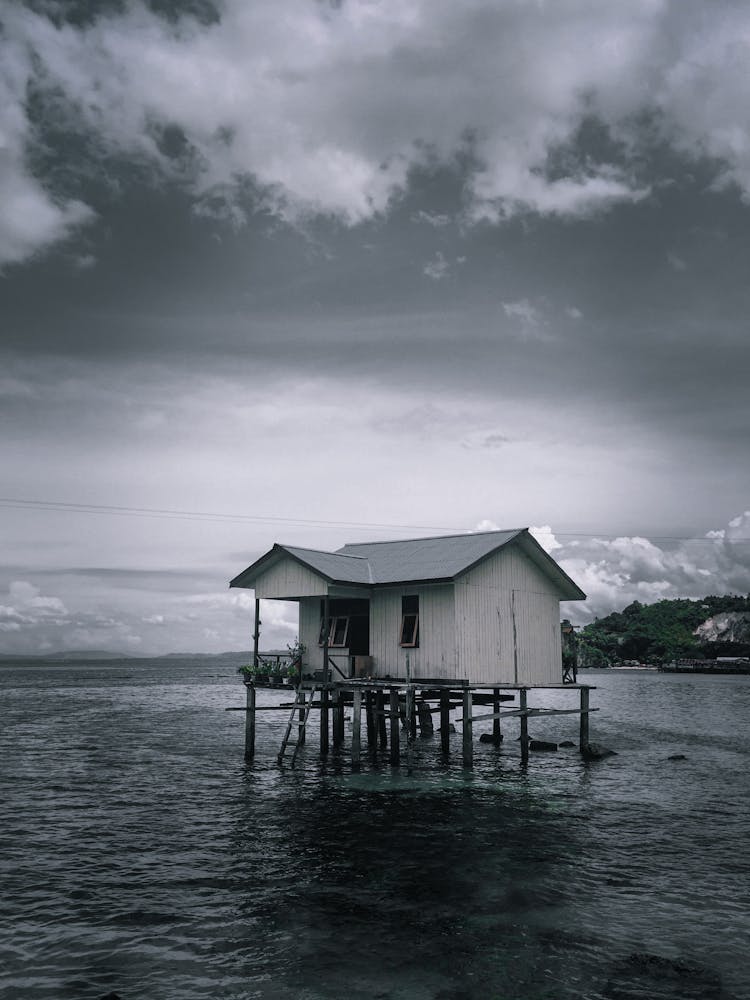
x: 299, y: 703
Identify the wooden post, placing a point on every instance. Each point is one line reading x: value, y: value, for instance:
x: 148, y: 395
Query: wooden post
x: 256, y: 633
x: 324, y: 695
x: 411, y: 717
x: 380, y: 715
x: 584, y: 730
x: 425, y: 718
x: 250, y: 723
x: 395, y: 722
x: 370, y: 722
x: 324, y: 701
x: 496, y: 734
x: 445, y: 721
x: 356, y: 725
x: 338, y: 718
x: 468, y: 728
x: 522, y: 697
x: 301, y: 726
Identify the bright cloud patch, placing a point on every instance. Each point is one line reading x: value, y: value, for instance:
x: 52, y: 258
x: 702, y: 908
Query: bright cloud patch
x: 614, y: 572
x: 327, y: 107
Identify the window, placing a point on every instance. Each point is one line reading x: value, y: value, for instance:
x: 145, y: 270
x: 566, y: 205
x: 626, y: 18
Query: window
x: 409, y: 621
x: 336, y: 629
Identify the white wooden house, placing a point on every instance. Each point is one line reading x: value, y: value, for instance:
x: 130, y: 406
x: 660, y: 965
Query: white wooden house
x: 480, y: 608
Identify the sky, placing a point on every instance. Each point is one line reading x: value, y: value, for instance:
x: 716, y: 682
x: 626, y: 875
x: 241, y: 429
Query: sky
x: 322, y: 272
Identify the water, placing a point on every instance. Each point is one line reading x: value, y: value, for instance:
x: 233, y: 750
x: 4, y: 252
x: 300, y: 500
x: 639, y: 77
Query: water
x: 141, y: 855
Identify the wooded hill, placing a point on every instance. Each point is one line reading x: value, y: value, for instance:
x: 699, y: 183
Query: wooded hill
x: 662, y: 632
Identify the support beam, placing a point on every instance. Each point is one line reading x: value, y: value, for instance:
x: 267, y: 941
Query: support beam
x: 468, y: 731
x: 301, y: 724
x: 496, y: 734
x: 324, y: 712
x: 411, y: 716
x: 356, y: 726
x: 445, y: 721
x: 395, y: 722
x: 523, y: 700
x: 370, y: 722
x: 250, y: 723
x: 256, y: 634
x: 380, y: 716
x: 338, y: 718
x: 584, y: 731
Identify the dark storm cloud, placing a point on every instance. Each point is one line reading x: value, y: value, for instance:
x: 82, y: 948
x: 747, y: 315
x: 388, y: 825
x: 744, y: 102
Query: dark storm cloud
x: 417, y: 262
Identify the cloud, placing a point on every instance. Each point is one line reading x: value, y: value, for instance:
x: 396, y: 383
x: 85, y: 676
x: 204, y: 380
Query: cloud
x: 522, y: 310
x: 328, y: 109
x: 616, y: 571
x: 437, y: 268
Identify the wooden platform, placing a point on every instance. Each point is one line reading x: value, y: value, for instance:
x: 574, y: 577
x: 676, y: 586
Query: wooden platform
x: 392, y: 705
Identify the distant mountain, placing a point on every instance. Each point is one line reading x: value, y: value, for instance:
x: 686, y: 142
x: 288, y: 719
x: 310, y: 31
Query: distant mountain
x: 668, y: 630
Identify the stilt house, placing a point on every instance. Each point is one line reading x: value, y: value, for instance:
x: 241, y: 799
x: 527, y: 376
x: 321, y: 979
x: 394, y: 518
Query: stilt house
x: 480, y: 608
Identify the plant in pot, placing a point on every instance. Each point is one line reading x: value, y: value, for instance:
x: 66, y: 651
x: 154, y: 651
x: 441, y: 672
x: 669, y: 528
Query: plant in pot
x: 254, y: 674
x: 294, y: 669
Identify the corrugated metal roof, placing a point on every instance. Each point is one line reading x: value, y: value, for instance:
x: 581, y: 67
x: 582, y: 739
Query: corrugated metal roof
x: 411, y: 560
x: 440, y: 558
x: 343, y: 567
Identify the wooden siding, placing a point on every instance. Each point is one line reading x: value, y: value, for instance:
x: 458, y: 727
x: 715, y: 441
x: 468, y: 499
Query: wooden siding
x: 508, y: 622
x: 288, y: 579
x: 436, y: 655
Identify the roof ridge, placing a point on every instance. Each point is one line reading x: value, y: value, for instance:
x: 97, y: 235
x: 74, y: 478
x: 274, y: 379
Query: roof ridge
x: 429, y: 538
x: 321, y: 552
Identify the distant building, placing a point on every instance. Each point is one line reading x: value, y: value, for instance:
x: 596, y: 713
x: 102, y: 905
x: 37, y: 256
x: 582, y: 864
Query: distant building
x: 479, y: 608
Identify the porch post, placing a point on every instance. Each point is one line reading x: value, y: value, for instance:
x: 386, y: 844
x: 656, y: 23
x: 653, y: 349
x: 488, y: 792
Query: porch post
x: 523, y: 701
x: 584, y: 729
x: 356, y: 725
x: 256, y: 633
x: 324, y: 689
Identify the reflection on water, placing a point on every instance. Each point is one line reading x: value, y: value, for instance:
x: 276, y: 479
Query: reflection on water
x: 141, y: 855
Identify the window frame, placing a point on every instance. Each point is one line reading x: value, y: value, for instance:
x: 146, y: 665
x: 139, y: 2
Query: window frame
x: 330, y: 632
x: 409, y: 632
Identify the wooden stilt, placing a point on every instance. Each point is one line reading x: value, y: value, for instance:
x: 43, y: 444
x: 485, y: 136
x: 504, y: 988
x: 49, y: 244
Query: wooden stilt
x: 411, y: 716
x: 395, y: 722
x: 256, y: 634
x: 370, y: 722
x: 380, y: 715
x: 523, y: 699
x: 338, y: 718
x: 584, y: 730
x: 468, y: 730
x: 496, y: 734
x: 356, y: 726
x: 324, y: 711
x: 301, y: 728
x: 445, y: 721
x: 250, y: 723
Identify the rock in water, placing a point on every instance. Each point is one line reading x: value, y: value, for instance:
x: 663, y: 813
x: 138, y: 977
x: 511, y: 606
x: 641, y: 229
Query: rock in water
x: 677, y: 756
x: 541, y: 746
x: 595, y: 751
x: 566, y: 743
x: 489, y: 738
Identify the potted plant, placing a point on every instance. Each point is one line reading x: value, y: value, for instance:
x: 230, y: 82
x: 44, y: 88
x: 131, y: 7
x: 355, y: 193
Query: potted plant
x: 252, y: 674
x: 295, y: 649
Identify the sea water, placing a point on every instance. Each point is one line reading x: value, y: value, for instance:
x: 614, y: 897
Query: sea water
x: 142, y: 856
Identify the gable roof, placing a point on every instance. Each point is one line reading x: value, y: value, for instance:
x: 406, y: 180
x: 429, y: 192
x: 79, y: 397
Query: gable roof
x: 443, y: 557
x: 440, y: 559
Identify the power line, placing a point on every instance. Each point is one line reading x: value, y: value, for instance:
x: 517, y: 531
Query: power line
x: 197, y: 515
